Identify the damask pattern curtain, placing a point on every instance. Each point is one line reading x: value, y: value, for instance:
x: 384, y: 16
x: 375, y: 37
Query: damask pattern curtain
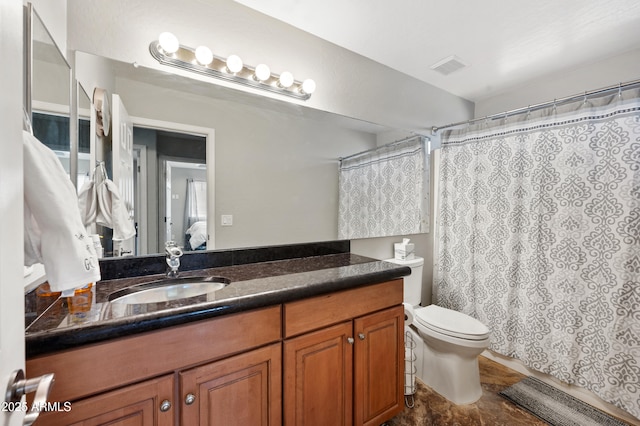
x: 385, y: 192
x: 539, y: 238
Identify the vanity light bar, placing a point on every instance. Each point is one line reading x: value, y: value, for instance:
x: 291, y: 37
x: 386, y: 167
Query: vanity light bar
x: 232, y: 69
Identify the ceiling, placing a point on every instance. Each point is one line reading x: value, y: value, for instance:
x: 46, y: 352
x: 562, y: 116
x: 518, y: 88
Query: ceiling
x: 504, y: 44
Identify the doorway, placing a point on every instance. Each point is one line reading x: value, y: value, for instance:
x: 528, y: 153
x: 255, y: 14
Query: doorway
x: 187, y: 148
x: 185, y: 203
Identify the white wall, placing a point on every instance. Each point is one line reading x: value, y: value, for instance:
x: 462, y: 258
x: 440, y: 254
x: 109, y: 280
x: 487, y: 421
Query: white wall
x: 53, y: 14
x: 612, y: 71
x: 348, y: 84
x: 93, y: 71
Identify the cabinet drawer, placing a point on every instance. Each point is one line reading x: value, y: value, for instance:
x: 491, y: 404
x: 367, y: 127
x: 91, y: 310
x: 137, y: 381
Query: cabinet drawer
x: 103, y: 366
x: 321, y: 311
x: 137, y: 404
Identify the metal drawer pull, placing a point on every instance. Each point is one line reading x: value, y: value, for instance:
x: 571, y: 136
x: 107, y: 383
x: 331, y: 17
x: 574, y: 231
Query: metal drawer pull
x: 350, y: 340
x: 18, y: 387
x: 361, y: 336
x: 189, y: 399
x: 165, y: 406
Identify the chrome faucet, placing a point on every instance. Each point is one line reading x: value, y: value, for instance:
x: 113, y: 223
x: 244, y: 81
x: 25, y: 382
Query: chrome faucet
x: 173, y: 252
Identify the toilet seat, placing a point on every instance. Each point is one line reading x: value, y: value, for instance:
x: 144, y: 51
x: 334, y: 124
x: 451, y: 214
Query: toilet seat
x: 451, y: 323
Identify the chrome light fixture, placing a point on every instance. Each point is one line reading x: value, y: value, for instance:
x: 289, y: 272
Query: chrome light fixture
x: 168, y: 51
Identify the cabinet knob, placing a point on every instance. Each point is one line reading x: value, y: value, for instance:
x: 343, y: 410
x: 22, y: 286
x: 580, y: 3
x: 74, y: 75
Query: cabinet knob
x: 189, y: 399
x: 350, y: 340
x: 361, y: 336
x: 165, y: 406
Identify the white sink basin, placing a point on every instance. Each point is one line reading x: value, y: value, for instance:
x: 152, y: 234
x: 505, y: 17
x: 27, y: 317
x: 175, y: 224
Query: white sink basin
x: 167, y: 290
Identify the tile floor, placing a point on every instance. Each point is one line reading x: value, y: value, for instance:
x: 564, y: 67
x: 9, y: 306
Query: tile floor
x: 491, y: 410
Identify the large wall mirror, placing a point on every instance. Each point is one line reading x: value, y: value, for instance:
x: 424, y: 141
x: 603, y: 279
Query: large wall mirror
x: 266, y: 169
x: 271, y: 166
x: 48, y: 90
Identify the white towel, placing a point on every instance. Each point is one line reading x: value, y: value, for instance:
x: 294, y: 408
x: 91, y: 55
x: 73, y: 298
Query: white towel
x: 54, y: 232
x: 100, y: 203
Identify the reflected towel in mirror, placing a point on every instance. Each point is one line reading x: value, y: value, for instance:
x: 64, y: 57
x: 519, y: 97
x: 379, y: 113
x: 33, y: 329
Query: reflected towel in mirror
x: 53, y: 228
x: 100, y: 203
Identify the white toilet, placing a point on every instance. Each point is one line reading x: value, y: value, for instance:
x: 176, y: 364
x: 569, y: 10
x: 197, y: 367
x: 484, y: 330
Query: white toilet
x: 451, y: 340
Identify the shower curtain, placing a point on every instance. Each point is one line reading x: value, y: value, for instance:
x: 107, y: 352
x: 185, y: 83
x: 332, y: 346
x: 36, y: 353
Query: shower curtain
x: 385, y: 191
x: 196, y: 202
x: 539, y: 238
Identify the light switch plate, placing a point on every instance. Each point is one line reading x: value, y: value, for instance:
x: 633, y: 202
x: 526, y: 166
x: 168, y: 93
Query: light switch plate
x: 226, y: 220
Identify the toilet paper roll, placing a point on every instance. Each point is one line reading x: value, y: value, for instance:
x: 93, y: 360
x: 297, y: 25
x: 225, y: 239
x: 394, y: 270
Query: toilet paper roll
x: 408, y: 314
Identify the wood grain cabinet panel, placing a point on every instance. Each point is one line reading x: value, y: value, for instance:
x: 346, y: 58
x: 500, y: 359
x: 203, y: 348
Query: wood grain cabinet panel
x: 379, y: 366
x: 340, y: 363
x: 320, y: 311
x: 134, y: 405
x: 118, y: 362
x: 318, y: 377
x: 242, y: 390
x: 347, y: 373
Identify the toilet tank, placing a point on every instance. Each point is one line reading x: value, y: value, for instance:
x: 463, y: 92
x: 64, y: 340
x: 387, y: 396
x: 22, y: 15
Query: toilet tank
x: 413, y: 282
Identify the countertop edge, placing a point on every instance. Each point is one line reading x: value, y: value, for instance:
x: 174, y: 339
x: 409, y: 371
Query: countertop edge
x: 47, y: 342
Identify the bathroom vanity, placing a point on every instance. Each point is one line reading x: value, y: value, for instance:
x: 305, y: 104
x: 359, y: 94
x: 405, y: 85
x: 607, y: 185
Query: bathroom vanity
x: 315, y: 340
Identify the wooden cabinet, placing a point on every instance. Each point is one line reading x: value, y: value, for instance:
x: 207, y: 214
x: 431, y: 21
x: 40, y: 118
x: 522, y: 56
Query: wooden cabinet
x: 134, y: 405
x: 351, y: 372
x: 241, y: 390
x: 318, y: 377
x: 335, y: 359
x: 379, y: 366
x: 123, y: 373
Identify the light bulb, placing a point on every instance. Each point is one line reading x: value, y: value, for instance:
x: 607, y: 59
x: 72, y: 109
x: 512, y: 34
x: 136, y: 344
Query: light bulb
x: 262, y: 73
x: 204, y: 56
x: 286, y: 79
x: 308, y: 86
x: 168, y: 42
x: 234, y: 63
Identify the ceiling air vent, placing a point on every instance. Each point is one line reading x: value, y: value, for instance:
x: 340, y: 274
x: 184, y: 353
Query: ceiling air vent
x: 448, y: 65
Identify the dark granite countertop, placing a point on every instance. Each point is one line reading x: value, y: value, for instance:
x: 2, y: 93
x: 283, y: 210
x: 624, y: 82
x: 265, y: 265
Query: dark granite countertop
x: 253, y: 285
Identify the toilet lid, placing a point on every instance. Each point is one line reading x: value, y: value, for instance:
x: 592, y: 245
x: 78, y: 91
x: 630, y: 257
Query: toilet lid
x: 451, y: 323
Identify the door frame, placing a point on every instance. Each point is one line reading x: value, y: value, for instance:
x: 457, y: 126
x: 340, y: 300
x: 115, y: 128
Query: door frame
x: 210, y: 139
x: 12, y: 351
x: 140, y: 183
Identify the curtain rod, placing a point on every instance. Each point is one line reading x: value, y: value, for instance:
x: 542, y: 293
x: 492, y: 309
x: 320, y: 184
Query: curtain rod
x: 555, y: 102
x: 408, y: 138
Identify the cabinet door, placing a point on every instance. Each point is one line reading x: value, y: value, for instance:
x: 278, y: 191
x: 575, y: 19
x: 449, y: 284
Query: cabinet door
x: 318, y: 374
x: 242, y: 390
x: 134, y: 405
x: 379, y: 366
